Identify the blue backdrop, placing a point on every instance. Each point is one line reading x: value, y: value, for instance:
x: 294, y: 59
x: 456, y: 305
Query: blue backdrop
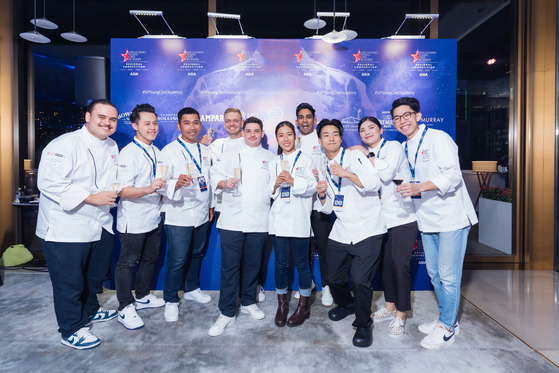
x: 268, y: 79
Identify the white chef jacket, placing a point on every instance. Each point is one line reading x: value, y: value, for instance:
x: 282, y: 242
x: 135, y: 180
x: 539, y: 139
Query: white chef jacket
x: 138, y: 215
x: 217, y: 148
x: 248, y: 212
x: 188, y: 206
x: 395, y: 213
x: 72, y: 167
x: 291, y: 217
x: 450, y: 207
x: 309, y: 145
x: 361, y: 215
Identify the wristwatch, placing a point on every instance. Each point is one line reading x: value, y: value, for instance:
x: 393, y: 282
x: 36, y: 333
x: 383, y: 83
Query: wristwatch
x: 370, y: 155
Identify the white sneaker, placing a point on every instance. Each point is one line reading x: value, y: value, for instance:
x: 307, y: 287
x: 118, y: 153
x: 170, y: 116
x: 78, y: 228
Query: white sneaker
x: 254, y: 312
x: 260, y: 294
x: 383, y: 315
x: 427, y: 328
x: 171, y: 312
x: 103, y: 315
x: 440, y: 337
x: 149, y: 301
x: 327, y: 299
x: 198, y: 296
x: 81, y: 340
x: 397, y: 327
x: 296, y: 295
x: 129, y: 318
x: 220, y: 325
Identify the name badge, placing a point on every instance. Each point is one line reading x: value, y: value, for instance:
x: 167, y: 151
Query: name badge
x: 285, y: 193
x: 417, y: 196
x: 338, y: 202
x: 202, y: 183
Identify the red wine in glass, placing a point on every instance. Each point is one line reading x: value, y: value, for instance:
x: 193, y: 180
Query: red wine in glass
x: 397, y: 181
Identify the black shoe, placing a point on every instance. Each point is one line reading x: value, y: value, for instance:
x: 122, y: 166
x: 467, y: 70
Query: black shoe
x: 363, y: 337
x: 339, y: 313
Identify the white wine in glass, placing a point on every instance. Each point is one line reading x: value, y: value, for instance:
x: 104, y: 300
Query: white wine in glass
x: 164, y: 170
x: 237, y: 175
x: 211, y: 133
x: 115, y: 186
x: 284, y: 165
x: 189, y: 168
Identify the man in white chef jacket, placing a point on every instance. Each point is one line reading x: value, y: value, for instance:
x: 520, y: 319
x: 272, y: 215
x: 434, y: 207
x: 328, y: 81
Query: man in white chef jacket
x: 444, y: 213
x: 233, y: 123
x: 188, y: 209
x: 138, y: 218
x: 75, y: 175
x: 351, y: 190
x: 243, y: 224
x: 320, y: 222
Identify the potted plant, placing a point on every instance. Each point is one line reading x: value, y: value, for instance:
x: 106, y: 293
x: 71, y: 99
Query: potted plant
x: 495, y: 218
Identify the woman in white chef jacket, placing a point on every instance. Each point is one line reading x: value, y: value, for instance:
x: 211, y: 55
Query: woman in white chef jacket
x: 399, y: 215
x: 292, y: 190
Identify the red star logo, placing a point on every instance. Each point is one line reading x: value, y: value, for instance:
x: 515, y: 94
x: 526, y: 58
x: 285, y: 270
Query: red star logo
x: 357, y: 56
x: 299, y: 56
x: 415, y: 56
x: 183, y: 56
x: 125, y: 55
x: 241, y: 56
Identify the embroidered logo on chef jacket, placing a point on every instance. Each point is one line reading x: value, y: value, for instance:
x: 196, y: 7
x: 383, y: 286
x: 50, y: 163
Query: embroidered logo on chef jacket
x: 425, y: 155
x: 206, y: 161
x: 265, y: 165
x: 114, y: 157
x: 299, y: 171
x: 54, y: 159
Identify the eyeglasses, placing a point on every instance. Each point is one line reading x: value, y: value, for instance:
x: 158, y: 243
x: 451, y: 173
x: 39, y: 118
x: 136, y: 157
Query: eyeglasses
x: 404, y: 116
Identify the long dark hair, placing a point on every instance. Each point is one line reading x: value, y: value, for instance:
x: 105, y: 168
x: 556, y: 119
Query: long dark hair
x: 283, y: 124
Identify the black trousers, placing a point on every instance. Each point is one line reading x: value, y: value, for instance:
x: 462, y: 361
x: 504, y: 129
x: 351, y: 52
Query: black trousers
x: 143, y: 249
x: 321, y: 228
x: 361, y: 260
x: 395, y: 269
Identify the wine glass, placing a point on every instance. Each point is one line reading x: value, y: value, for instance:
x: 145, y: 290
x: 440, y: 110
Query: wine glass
x: 115, y: 186
x: 164, y: 170
x: 398, y: 195
x: 210, y: 133
x: 237, y: 175
x: 190, y: 171
x: 284, y: 165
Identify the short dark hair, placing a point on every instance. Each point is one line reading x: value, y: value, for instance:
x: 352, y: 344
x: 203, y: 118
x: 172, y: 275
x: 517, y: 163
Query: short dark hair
x: 409, y: 101
x: 101, y: 101
x: 187, y: 110
x: 370, y: 119
x: 141, y: 108
x: 302, y: 106
x: 284, y: 124
x: 253, y: 120
x: 326, y: 122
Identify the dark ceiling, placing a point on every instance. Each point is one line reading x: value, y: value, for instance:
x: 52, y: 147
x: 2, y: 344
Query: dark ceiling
x: 476, y: 24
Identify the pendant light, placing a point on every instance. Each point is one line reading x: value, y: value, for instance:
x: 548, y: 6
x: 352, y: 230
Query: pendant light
x: 73, y: 35
x: 350, y: 34
x: 44, y: 22
x: 334, y: 36
x: 34, y: 36
x: 314, y: 23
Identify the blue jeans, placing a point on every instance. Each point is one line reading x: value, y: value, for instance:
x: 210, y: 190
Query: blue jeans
x: 187, y: 248
x: 301, y: 259
x: 77, y: 271
x: 444, y: 257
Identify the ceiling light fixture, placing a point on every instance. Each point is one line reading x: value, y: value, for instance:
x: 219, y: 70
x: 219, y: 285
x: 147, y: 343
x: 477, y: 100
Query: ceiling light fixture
x: 44, y: 22
x: 314, y: 23
x: 73, y: 35
x: 334, y: 36
x: 430, y: 17
x: 213, y: 16
x: 153, y: 13
x: 34, y: 36
x: 349, y: 33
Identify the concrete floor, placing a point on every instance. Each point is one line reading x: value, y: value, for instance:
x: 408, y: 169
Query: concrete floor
x: 30, y: 342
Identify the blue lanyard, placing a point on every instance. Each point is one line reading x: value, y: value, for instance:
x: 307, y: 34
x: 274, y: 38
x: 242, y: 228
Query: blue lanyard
x: 412, y: 169
x: 381, y: 146
x: 294, y: 162
x: 339, y: 183
x: 198, y: 165
x: 153, y: 162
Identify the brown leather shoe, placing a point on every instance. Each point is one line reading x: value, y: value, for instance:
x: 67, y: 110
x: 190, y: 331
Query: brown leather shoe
x: 301, y: 313
x: 283, y: 310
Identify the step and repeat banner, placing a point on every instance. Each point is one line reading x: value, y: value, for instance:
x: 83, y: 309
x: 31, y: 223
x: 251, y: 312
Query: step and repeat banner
x: 268, y: 78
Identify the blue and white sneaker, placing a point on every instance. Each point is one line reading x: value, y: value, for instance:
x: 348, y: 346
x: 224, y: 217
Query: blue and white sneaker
x: 129, y: 318
x: 103, y: 314
x: 81, y: 340
x: 149, y: 301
